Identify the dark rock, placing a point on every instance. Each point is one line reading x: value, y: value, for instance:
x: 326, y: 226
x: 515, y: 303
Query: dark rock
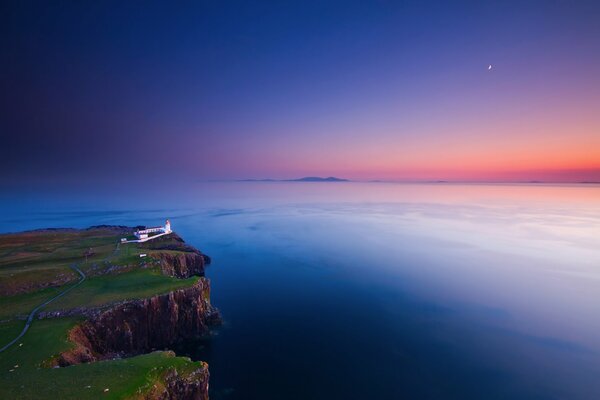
x: 177, y: 386
x: 180, y: 265
x: 139, y: 326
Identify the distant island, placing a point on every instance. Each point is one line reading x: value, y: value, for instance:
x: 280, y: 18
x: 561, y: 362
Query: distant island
x: 305, y: 179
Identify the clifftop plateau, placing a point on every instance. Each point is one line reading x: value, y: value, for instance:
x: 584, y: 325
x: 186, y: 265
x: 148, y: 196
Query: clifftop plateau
x: 125, y: 304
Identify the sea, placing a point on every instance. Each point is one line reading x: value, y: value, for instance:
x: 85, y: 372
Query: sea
x: 374, y: 290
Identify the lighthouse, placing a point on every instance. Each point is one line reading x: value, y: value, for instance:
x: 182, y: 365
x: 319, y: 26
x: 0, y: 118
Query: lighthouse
x: 144, y: 234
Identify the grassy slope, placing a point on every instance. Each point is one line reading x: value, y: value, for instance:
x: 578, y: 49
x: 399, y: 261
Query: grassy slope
x: 49, y: 337
x: 34, y: 258
x: 30, y: 380
x: 110, y: 288
x: 9, y: 330
x: 22, y: 304
x: 46, y: 254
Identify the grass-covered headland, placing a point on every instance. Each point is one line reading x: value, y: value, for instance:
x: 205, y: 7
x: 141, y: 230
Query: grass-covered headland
x: 36, y: 266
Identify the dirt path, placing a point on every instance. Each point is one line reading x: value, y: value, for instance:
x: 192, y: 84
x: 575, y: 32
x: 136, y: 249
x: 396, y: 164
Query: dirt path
x: 35, y: 310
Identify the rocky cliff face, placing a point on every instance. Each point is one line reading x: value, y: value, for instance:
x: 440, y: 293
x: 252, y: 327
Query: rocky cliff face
x: 179, y: 264
x: 175, y: 257
x: 144, y: 325
x: 156, y: 323
x: 176, y: 386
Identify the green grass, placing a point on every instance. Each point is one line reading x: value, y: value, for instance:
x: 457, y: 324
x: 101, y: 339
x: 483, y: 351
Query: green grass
x: 31, y: 380
x: 9, y: 330
x: 32, y: 258
x: 94, y: 292
x: 26, y: 279
x: 22, y: 304
x: 29, y: 260
x: 112, y: 288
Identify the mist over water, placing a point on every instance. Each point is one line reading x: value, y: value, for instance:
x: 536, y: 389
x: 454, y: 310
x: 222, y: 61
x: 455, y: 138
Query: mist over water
x: 379, y: 290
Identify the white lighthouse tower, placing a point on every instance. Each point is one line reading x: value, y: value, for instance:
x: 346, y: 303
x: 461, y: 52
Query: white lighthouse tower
x: 168, y: 227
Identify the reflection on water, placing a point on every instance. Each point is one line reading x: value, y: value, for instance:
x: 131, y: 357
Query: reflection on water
x: 374, y: 290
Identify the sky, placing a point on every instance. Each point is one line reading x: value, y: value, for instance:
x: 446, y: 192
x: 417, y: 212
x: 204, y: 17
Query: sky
x: 393, y: 90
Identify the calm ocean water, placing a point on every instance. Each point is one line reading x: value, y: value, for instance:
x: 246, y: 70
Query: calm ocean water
x: 377, y: 290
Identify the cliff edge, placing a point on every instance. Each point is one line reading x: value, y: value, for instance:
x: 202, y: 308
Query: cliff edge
x: 141, y: 326
x: 145, y: 325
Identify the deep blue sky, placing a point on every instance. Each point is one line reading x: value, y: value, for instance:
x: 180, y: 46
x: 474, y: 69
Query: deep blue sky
x: 222, y: 89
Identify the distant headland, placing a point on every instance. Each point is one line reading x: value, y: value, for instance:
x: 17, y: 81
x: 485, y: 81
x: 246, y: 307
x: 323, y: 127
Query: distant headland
x: 304, y: 179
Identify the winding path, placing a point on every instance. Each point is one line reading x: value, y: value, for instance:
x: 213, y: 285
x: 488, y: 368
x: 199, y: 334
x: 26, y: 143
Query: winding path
x: 35, y: 310
x: 67, y: 290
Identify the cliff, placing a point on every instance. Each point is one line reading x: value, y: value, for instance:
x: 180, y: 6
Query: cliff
x: 109, y: 324
x: 178, y: 385
x: 179, y: 264
x: 141, y: 326
x: 176, y: 258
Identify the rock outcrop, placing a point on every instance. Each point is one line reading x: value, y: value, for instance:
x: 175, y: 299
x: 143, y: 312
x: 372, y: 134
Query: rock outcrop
x: 180, y: 264
x: 141, y: 326
x: 174, y: 385
x: 175, y: 257
x: 157, y: 323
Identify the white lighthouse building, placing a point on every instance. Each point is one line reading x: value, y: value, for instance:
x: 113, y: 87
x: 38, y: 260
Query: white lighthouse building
x: 144, y: 234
